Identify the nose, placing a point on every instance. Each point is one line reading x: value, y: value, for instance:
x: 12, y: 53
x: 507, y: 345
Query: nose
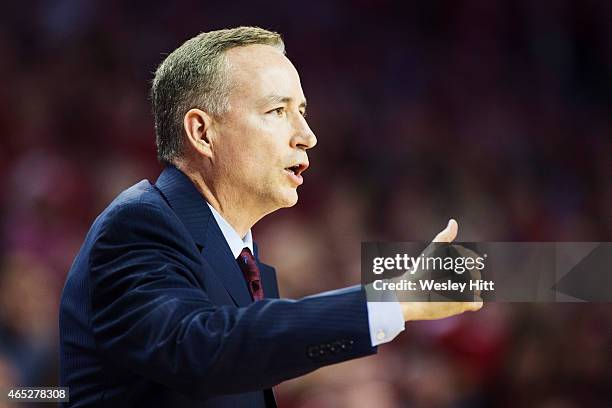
x: 304, y: 138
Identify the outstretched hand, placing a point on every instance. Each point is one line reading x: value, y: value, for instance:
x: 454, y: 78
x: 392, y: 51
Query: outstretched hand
x: 440, y: 310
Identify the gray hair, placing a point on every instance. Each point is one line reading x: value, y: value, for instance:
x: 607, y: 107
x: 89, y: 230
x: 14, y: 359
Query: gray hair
x: 194, y: 76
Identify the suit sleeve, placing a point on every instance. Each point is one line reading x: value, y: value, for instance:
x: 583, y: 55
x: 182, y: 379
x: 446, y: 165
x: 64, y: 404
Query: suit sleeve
x: 151, y: 315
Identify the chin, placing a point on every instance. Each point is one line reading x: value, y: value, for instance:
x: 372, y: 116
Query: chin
x: 288, y: 199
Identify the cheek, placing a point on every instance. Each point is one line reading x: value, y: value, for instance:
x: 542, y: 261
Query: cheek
x: 247, y: 160
x: 263, y: 142
x: 253, y: 146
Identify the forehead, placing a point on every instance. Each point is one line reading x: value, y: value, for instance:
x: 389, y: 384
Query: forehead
x: 256, y: 71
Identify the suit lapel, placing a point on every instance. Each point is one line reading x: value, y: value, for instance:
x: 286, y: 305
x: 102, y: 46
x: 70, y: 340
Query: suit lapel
x: 218, y: 254
x: 268, y: 276
x: 191, y: 208
x: 268, y: 280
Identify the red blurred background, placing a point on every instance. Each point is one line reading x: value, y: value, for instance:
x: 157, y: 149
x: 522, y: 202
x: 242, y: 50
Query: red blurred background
x: 495, y: 113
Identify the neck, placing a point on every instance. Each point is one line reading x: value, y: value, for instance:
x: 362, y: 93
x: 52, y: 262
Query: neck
x: 226, y: 201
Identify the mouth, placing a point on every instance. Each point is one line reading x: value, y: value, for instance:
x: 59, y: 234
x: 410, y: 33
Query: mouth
x: 295, y: 172
x: 297, y: 169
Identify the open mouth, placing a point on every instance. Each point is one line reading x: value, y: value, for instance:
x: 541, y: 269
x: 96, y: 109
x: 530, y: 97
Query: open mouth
x: 297, y: 169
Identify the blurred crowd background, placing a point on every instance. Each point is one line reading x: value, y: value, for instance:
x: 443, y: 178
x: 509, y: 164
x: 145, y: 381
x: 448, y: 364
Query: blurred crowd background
x: 495, y: 113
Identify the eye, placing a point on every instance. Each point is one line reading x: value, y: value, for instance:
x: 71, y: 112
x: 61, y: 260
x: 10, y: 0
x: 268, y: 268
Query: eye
x: 278, y: 111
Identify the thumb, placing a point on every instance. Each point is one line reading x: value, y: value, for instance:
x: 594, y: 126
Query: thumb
x: 449, y: 233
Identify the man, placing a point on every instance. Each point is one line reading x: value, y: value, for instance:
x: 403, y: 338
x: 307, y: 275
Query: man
x: 166, y: 303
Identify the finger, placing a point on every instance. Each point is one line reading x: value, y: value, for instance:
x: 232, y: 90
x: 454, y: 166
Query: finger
x: 449, y: 233
x: 475, y: 305
x: 465, y: 252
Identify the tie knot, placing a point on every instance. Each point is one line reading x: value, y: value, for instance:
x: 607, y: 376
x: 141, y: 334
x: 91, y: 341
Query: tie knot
x: 250, y: 270
x: 246, y: 257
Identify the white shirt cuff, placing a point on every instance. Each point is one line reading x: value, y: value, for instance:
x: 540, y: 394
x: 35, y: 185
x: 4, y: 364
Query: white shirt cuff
x: 386, y: 321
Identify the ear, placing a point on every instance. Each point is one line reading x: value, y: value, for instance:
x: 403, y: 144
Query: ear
x: 198, y: 128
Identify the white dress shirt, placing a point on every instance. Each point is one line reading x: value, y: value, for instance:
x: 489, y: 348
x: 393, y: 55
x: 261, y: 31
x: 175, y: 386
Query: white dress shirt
x: 385, y: 319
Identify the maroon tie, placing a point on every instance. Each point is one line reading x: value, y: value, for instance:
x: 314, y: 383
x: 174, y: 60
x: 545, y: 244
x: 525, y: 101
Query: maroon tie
x: 250, y: 270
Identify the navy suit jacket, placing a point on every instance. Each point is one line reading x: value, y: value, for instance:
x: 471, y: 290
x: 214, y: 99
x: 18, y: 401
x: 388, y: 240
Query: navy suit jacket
x: 155, y: 312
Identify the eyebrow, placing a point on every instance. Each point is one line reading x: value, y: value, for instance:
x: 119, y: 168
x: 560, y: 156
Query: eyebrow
x: 273, y: 99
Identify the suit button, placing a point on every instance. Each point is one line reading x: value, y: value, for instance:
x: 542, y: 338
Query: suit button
x: 311, y: 351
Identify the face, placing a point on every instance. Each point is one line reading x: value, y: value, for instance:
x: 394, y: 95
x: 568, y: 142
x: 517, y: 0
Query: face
x: 259, y: 145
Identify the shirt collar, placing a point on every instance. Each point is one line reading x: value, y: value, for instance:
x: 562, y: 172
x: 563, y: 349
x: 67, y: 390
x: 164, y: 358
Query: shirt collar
x: 232, y: 238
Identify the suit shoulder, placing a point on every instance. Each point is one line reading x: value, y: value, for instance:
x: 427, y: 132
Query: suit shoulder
x: 142, y: 201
